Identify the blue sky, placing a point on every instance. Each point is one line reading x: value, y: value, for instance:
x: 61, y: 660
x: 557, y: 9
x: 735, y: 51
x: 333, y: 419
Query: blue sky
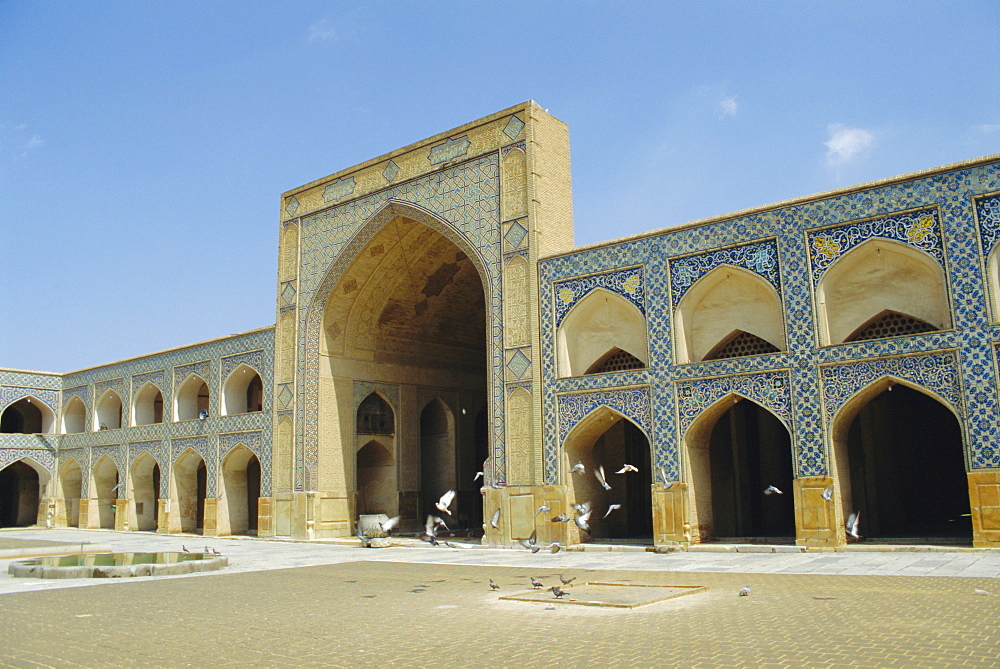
x: 144, y: 146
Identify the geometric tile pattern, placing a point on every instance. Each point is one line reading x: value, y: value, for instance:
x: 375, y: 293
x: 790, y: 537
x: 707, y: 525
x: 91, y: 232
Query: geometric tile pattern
x: 11, y: 394
x: 462, y: 202
x: 625, y: 282
x: 759, y: 257
x: 988, y: 213
x: 514, y: 127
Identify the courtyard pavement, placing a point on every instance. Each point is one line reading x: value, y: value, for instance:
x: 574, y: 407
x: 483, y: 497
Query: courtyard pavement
x: 283, y: 603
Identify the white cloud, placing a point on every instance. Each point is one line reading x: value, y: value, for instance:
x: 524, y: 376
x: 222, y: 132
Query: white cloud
x: 34, y: 142
x: 322, y: 30
x: 845, y: 143
x: 988, y: 128
x: 728, y: 107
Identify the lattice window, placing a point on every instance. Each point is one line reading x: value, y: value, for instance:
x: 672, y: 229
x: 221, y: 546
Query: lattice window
x: 375, y: 416
x: 616, y: 360
x: 890, y: 324
x: 740, y: 345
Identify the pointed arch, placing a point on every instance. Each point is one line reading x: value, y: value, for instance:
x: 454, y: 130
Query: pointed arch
x: 28, y: 415
x: 598, y: 323
x: 734, y: 450
x: 74, y: 416
x: 376, y: 479
x: 105, y: 491
x: 242, y: 391
x: 22, y: 489
x: 69, y: 493
x: 237, y: 509
x: 900, y: 459
x: 188, y: 491
x: 192, y: 398
x: 108, y: 411
x: 875, y: 276
x: 147, y: 407
x: 726, y: 301
x: 144, y: 492
x: 375, y: 415
x: 437, y: 452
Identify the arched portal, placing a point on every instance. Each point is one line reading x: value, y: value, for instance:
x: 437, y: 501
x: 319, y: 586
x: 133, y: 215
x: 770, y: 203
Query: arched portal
x: 736, y: 450
x: 237, y: 510
x: 606, y: 438
x: 409, y: 313
x: 144, y: 493
x: 189, y: 485
x: 27, y: 416
x: 20, y: 494
x: 71, y: 489
x: 106, y: 491
x: 899, y: 463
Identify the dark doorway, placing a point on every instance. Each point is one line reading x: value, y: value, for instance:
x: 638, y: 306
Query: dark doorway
x: 907, y: 470
x: 19, y: 495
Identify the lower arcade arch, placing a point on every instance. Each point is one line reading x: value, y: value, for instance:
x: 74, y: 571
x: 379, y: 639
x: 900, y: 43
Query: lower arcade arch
x: 899, y: 462
x: 376, y: 482
x: 21, y: 491
x: 607, y: 439
x: 735, y: 450
x: 144, y: 494
x: 70, y: 491
x: 189, y: 487
x: 237, y: 510
x: 106, y: 493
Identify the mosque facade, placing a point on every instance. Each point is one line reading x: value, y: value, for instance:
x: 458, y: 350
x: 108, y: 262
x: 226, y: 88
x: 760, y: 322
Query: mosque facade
x: 434, y: 321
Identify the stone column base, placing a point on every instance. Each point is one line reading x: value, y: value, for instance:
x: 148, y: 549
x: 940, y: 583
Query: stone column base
x: 264, y: 526
x: 121, y: 515
x: 984, y: 498
x: 210, y: 523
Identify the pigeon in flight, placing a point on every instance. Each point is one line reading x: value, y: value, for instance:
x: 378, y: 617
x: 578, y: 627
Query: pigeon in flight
x: 852, y: 525
x: 445, y: 501
x: 555, y: 547
x: 578, y: 468
x: 828, y: 494
x: 667, y: 483
x: 627, y: 468
x: 431, y: 528
x: 744, y: 591
x: 561, y: 518
x: 117, y: 486
x: 367, y: 543
x: 493, y: 585
x: 542, y: 508
x: 559, y: 593
x: 599, y: 473
x: 582, y: 522
x: 535, y: 583
x: 984, y: 593
x: 612, y: 507
x: 495, y: 519
x: 387, y: 525
x: 566, y: 581
x: 771, y: 490
x: 529, y: 543
x: 582, y: 508
x: 477, y: 476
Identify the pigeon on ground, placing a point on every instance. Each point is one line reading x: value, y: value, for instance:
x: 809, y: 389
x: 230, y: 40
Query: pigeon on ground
x: 184, y: 548
x: 495, y: 519
x: 744, y: 591
x: 208, y: 551
x: 828, y: 494
x: 599, y: 473
x: 982, y: 592
x: 566, y: 581
x: 771, y: 490
x: 535, y: 583
x: 612, y: 507
x: 215, y: 552
x: 561, y: 518
x: 451, y: 545
x: 627, y: 468
x: 445, y: 501
x: 493, y: 585
x: 366, y: 542
x: 558, y: 592
x: 542, y: 508
x: 578, y: 468
x: 555, y: 547
x: 853, y: 521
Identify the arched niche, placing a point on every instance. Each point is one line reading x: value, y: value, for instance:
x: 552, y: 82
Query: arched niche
x: 600, y: 323
x: 237, y: 509
x: 375, y: 416
x: 607, y: 438
x: 876, y: 276
x: 22, y: 488
x: 899, y: 460
x: 28, y: 415
x: 243, y: 392
x: 74, y: 419
x: 108, y: 411
x: 376, y: 478
x: 726, y: 303
x: 437, y: 453
x: 733, y: 451
x: 188, y: 490
x: 147, y: 408
x: 144, y: 493
x: 70, y: 491
x: 106, y: 491
x: 192, y: 400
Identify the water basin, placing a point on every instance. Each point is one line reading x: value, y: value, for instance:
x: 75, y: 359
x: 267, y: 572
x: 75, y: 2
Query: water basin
x: 116, y: 565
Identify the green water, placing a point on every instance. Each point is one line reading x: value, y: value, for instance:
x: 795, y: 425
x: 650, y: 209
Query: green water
x: 114, y: 559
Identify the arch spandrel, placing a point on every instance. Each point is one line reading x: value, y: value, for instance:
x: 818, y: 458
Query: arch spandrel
x: 573, y: 408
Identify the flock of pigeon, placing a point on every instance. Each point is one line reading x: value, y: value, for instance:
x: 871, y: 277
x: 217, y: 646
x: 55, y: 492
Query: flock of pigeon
x: 537, y: 585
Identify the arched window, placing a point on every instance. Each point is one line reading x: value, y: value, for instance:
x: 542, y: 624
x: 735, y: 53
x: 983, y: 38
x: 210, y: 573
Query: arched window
x: 192, y: 399
x: 375, y: 416
x: 890, y: 324
x: 28, y: 415
x: 74, y: 416
x: 148, y: 406
x: 243, y: 392
x: 615, y: 360
x: 601, y: 324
